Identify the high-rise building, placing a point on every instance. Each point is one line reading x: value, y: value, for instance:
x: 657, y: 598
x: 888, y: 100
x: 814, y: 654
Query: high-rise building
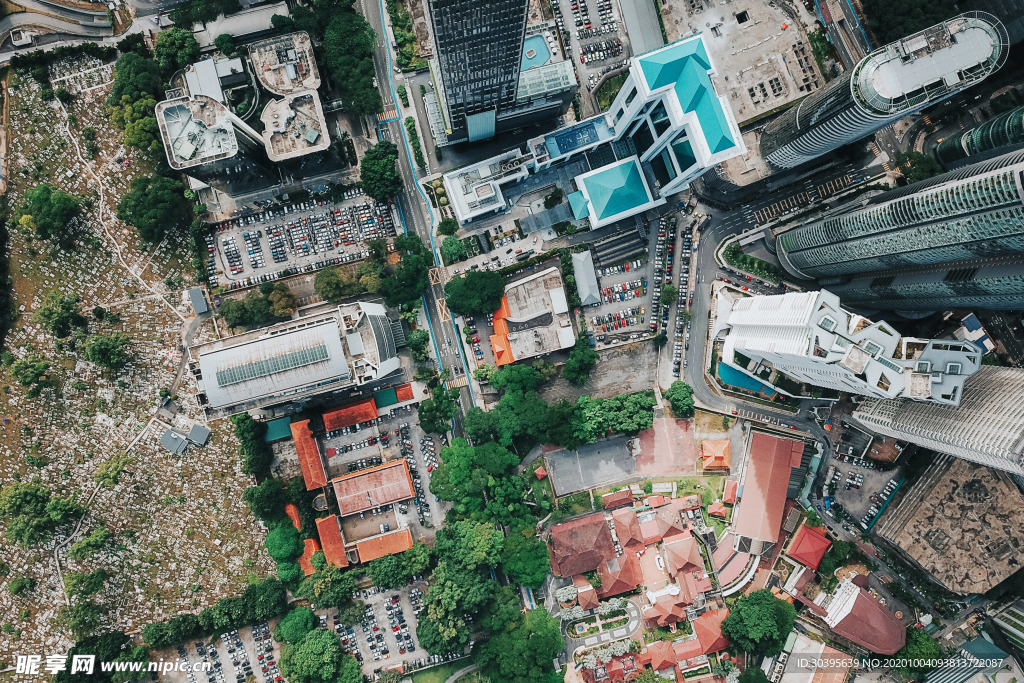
x: 896, y: 80
x: 495, y: 75
x: 806, y: 337
x: 954, y: 224
x: 987, y: 427
x: 999, y: 131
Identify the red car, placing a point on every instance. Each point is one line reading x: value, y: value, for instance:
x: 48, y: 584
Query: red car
x: 476, y: 340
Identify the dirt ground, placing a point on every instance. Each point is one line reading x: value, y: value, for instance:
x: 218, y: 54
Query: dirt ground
x: 667, y: 449
x: 622, y: 370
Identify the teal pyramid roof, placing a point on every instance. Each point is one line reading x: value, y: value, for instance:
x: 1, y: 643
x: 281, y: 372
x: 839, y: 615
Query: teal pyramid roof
x: 579, y: 205
x: 685, y: 64
x: 616, y: 189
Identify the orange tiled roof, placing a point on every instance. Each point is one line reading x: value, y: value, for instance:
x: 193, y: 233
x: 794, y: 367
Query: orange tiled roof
x: 661, y: 655
x: 617, y: 499
x: 586, y: 596
x: 808, y: 547
x: 306, y: 561
x: 333, y: 543
x: 348, y: 415
x: 619, y: 575
x: 730, y: 492
x: 310, y: 460
x: 499, y: 340
x: 765, y: 484
x: 580, y: 545
x: 373, y: 487
x: 388, y: 544
x: 627, y: 529
x: 718, y: 509
x: 403, y: 392
x: 540, y: 472
x: 716, y: 454
x: 293, y: 514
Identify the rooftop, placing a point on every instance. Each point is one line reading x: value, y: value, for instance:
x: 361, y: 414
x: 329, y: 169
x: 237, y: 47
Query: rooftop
x: 858, y: 617
x: 332, y: 541
x: 294, y: 126
x: 533, y: 319
x: 347, y: 415
x: 285, y: 64
x: 385, y: 544
x: 373, y: 487
x: 616, y: 191
x: 581, y: 545
x: 765, y: 481
x: 809, y: 545
x: 196, y: 130
x: 310, y: 459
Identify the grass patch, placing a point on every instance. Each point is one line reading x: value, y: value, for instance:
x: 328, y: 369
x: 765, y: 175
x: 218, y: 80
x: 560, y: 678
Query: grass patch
x: 610, y: 88
x: 822, y: 51
x: 575, y: 504
x: 439, y: 674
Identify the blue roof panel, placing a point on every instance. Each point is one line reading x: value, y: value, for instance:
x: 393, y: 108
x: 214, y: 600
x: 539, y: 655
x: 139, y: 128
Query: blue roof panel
x: 616, y: 189
x: 579, y: 204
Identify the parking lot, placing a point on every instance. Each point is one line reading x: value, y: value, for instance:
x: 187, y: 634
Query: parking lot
x: 299, y: 237
x: 232, y: 658
x: 594, y: 36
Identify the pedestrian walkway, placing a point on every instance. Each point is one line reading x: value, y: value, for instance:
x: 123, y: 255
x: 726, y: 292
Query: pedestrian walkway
x: 617, y: 633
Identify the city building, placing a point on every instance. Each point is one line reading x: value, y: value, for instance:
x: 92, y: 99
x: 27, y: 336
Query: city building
x: 373, y: 487
x: 852, y: 613
x: 959, y: 524
x: 788, y: 339
x: 533, y: 319
x: 757, y: 519
x: 947, y: 242
x: 972, y: 330
x: 586, y: 278
x: 1010, y: 620
x: 999, y: 132
x: 978, y: 661
x: 289, y: 363
x: 211, y: 77
x: 807, y: 660
x: 892, y: 82
x: 203, y: 139
x: 493, y: 72
x: 667, y: 125
x: 987, y: 427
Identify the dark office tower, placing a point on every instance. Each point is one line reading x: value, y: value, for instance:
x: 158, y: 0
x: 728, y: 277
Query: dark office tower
x: 479, y: 49
x: 1004, y: 130
x: 952, y: 240
x: 892, y: 82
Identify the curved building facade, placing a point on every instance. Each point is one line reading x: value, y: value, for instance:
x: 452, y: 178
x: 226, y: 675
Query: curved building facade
x: 1000, y: 131
x: 896, y: 80
x: 969, y: 215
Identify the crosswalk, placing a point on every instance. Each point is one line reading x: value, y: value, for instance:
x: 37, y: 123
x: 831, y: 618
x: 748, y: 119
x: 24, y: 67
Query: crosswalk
x: 769, y: 212
x: 459, y: 381
x: 833, y: 186
x: 389, y: 114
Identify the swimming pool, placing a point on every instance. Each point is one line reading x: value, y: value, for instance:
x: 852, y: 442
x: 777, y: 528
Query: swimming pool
x: 735, y: 378
x: 535, y: 53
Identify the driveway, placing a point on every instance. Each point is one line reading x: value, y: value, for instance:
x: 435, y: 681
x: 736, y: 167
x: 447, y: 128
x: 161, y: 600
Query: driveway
x: 604, y: 637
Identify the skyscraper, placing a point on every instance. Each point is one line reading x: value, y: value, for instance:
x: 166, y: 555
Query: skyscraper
x: 896, y: 80
x: 788, y: 339
x: 958, y: 235
x: 987, y: 427
x: 490, y: 81
x: 999, y: 131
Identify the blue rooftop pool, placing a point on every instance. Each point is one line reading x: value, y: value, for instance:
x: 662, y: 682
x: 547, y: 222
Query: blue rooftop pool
x: 735, y: 378
x: 535, y: 53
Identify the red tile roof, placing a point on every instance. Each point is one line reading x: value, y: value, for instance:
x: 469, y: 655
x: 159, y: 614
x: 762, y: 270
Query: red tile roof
x: 871, y: 626
x: 808, y: 547
x: 586, y: 596
x: 708, y: 629
x: 661, y: 655
x: 619, y: 575
x: 348, y: 415
x: 499, y: 340
x: 656, y: 500
x: 718, y: 509
x: 667, y: 610
x: 403, y: 392
x: 306, y: 561
x: 730, y: 492
x: 764, y: 486
x: 683, y: 555
x: 373, y: 487
x: 627, y: 529
x: 580, y: 545
x: 540, y: 472
x: 332, y: 541
x: 617, y: 499
x: 310, y: 460
x: 293, y: 514
x: 717, y: 454
x: 691, y: 502
x: 388, y: 544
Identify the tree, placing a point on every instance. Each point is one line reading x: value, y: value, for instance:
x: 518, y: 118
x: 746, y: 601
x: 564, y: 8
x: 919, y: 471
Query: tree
x: 254, y: 447
x: 920, y: 649
x: 82, y: 584
x: 295, y: 625
x: 753, y: 674
x: 135, y: 42
x: 408, y: 282
x: 416, y: 559
x: 225, y: 42
x: 33, y: 373
x: 660, y: 340
x: 137, y: 84
x: 334, y: 284
x: 680, y: 397
x: 111, y: 351
x: 418, y: 341
x: 50, y: 211
x: 23, y: 508
x: 329, y: 587
x: 668, y: 295
x: 89, y: 545
x: 81, y: 618
x: 485, y: 373
x: 21, y: 584
x: 582, y: 360
x: 59, y: 313
x: 155, y: 206
x: 916, y: 166
x: 517, y: 378
x: 283, y: 543
x: 378, y: 171
x: 437, y: 412
x: 316, y: 659
x: 387, y: 572
x: 448, y: 226
x: 109, y: 646
x: 452, y: 250
x: 523, y: 653
x: 477, y: 293
x: 175, y: 48
x: 282, y: 301
x: 348, y: 43
x: 525, y: 559
x: 480, y: 426
x: 759, y: 623
x: 267, y: 500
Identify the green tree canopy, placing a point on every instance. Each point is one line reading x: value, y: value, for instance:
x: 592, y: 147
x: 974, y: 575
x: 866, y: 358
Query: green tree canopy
x: 109, y: 646
x: 254, y: 447
x: 333, y: 284
x: 477, y: 293
x: 436, y: 413
x: 408, y: 282
x: 582, y: 360
x: 315, y: 659
x: 137, y: 84
x: 51, y: 211
x: 525, y: 559
x: 448, y: 226
x: 452, y: 250
x: 294, y: 626
x: 31, y: 514
x: 668, y: 295
x: 348, y: 43
x: 84, y: 584
x: 267, y: 500
x: 418, y: 341
x: 759, y: 623
x: 919, y: 649
x: 33, y: 373
x: 916, y: 166
x: 680, y: 397
x: 283, y: 543
x: 176, y: 48
x: 154, y: 205
x: 59, y: 313
x: 108, y: 351
x: 329, y: 587
x: 523, y: 653
x: 378, y: 171
x: 225, y: 42
x: 753, y: 674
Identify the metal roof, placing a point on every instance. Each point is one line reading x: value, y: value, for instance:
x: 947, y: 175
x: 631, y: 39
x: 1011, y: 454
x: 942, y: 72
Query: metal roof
x: 586, y: 278
x: 199, y: 304
x: 173, y: 441
x: 615, y: 189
